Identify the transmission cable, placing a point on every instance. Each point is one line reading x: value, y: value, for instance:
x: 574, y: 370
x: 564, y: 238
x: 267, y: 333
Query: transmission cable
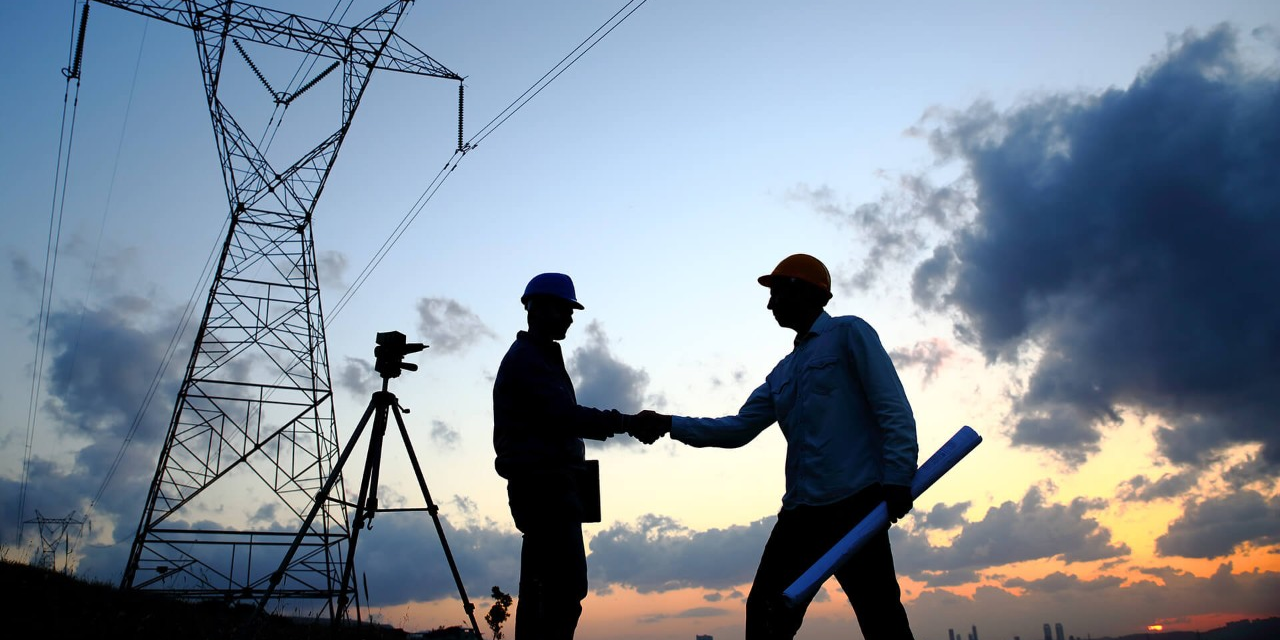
x: 66, y: 137
x: 529, y: 94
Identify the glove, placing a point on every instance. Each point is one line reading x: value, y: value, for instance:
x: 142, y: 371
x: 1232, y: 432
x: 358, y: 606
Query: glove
x: 898, y: 499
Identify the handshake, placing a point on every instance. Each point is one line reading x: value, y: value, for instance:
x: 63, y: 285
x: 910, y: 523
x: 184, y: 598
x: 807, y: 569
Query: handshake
x: 647, y: 426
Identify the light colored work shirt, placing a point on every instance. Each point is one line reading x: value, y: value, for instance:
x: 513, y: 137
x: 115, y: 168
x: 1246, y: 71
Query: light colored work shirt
x: 841, y: 406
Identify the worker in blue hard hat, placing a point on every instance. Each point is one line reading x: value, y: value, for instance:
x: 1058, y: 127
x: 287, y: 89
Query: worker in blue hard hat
x: 538, y: 427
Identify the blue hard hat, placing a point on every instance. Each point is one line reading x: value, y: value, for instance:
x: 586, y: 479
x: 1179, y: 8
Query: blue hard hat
x: 551, y: 284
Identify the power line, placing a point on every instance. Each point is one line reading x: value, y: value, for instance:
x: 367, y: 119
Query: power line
x: 57, y: 208
x: 537, y: 87
x: 529, y: 94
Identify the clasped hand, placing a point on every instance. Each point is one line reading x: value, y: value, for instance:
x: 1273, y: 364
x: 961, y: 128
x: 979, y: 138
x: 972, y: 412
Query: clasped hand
x: 648, y: 426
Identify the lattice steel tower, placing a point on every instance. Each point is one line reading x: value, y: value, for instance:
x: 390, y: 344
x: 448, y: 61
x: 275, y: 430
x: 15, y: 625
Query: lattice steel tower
x: 254, y: 415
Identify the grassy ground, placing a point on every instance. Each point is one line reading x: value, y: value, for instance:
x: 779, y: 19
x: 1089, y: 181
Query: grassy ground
x: 47, y: 604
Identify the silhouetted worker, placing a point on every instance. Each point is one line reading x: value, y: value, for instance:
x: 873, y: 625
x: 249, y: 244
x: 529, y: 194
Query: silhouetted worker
x: 851, y: 442
x: 538, y: 428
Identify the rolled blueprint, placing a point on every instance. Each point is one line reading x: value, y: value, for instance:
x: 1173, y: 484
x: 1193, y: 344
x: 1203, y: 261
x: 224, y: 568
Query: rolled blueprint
x: 946, y: 457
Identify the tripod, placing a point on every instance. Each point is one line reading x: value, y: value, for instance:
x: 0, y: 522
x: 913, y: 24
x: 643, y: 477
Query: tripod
x: 389, y: 353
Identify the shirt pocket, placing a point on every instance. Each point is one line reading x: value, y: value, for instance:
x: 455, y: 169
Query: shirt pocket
x: 822, y: 376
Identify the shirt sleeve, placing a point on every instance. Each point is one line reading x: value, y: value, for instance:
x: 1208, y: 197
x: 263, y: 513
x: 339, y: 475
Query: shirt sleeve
x: 546, y: 403
x: 888, y: 402
x: 728, y: 432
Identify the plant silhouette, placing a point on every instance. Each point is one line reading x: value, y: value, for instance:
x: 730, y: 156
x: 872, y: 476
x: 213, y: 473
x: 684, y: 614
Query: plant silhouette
x: 498, y: 612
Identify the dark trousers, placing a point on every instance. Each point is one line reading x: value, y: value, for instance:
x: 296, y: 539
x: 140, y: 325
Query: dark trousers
x: 553, y: 581
x: 801, y: 536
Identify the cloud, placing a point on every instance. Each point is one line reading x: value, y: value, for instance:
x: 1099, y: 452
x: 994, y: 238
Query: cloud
x: 1058, y: 582
x: 403, y: 559
x: 1100, y: 606
x: 943, y: 516
x: 1169, y: 485
x: 1215, y: 527
x: 893, y: 229
x: 657, y: 554
x: 101, y: 368
x: 445, y: 436
x: 357, y: 376
x: 603, y: 381
x: 448, y: 326
x: 332, y: 267
x: 1008, y: 533
x: 1121, y: 243
x: 696, y: 612
x: 24, y: 274
x: 930, y: 355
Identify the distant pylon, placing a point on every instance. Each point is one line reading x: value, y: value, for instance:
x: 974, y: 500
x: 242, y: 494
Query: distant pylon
x: 254, y: 421
x: 54, y: 539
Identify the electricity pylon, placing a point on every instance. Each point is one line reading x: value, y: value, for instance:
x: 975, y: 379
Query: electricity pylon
x: 254, y: 416
x: 54, y: 539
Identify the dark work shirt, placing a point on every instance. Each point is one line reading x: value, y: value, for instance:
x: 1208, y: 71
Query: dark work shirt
x: 538, y: 425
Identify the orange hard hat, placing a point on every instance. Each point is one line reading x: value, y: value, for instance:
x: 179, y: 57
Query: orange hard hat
x: 803, y: 267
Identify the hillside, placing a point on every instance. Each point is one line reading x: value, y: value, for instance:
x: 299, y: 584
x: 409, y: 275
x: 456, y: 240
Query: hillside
x: 53, y: 606
x: 50, y: 605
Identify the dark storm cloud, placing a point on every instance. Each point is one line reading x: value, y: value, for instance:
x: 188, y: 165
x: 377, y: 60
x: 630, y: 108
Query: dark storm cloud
x: 1125, y: 240
x: 1058, y: 582
x: 1253, y: 471
x: 1008, y: 533
x: 1087, y: 605
x: 1169, y: 485
x: 102, y: 365
x: 657, y: 554
x: 603, y: 381
x: 1215, y: 527
x: 943, y: 516
x: 404, y: 559
x: 448, y: 326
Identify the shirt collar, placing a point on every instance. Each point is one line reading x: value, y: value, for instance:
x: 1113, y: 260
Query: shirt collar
x: 822, y: 323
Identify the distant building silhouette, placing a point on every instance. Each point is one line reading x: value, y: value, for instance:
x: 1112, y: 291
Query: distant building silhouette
x: 702, y: 638
x: 975, y: 633
x: 1048, y: 634
x: 1058, y: 629
x: 951, y: 634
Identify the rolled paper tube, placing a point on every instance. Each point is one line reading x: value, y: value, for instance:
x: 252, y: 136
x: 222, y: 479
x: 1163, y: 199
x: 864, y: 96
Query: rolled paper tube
x: 946, y: 457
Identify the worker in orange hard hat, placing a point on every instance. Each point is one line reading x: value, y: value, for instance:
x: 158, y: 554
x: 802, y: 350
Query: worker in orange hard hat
x: 851, y: 444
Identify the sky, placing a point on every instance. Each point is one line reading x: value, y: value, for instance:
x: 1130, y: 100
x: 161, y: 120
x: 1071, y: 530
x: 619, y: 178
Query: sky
x: 1059, y: 217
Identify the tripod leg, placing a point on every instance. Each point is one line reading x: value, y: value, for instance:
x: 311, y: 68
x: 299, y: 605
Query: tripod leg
x: 321, y: 497
x: 366, y: 506
x: 435, y: 516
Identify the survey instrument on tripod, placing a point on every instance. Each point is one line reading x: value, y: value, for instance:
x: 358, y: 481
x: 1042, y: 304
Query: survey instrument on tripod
x: 389, y: 353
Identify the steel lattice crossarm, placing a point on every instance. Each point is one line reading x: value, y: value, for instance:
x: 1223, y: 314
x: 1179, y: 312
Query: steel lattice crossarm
x: 367, y: 41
